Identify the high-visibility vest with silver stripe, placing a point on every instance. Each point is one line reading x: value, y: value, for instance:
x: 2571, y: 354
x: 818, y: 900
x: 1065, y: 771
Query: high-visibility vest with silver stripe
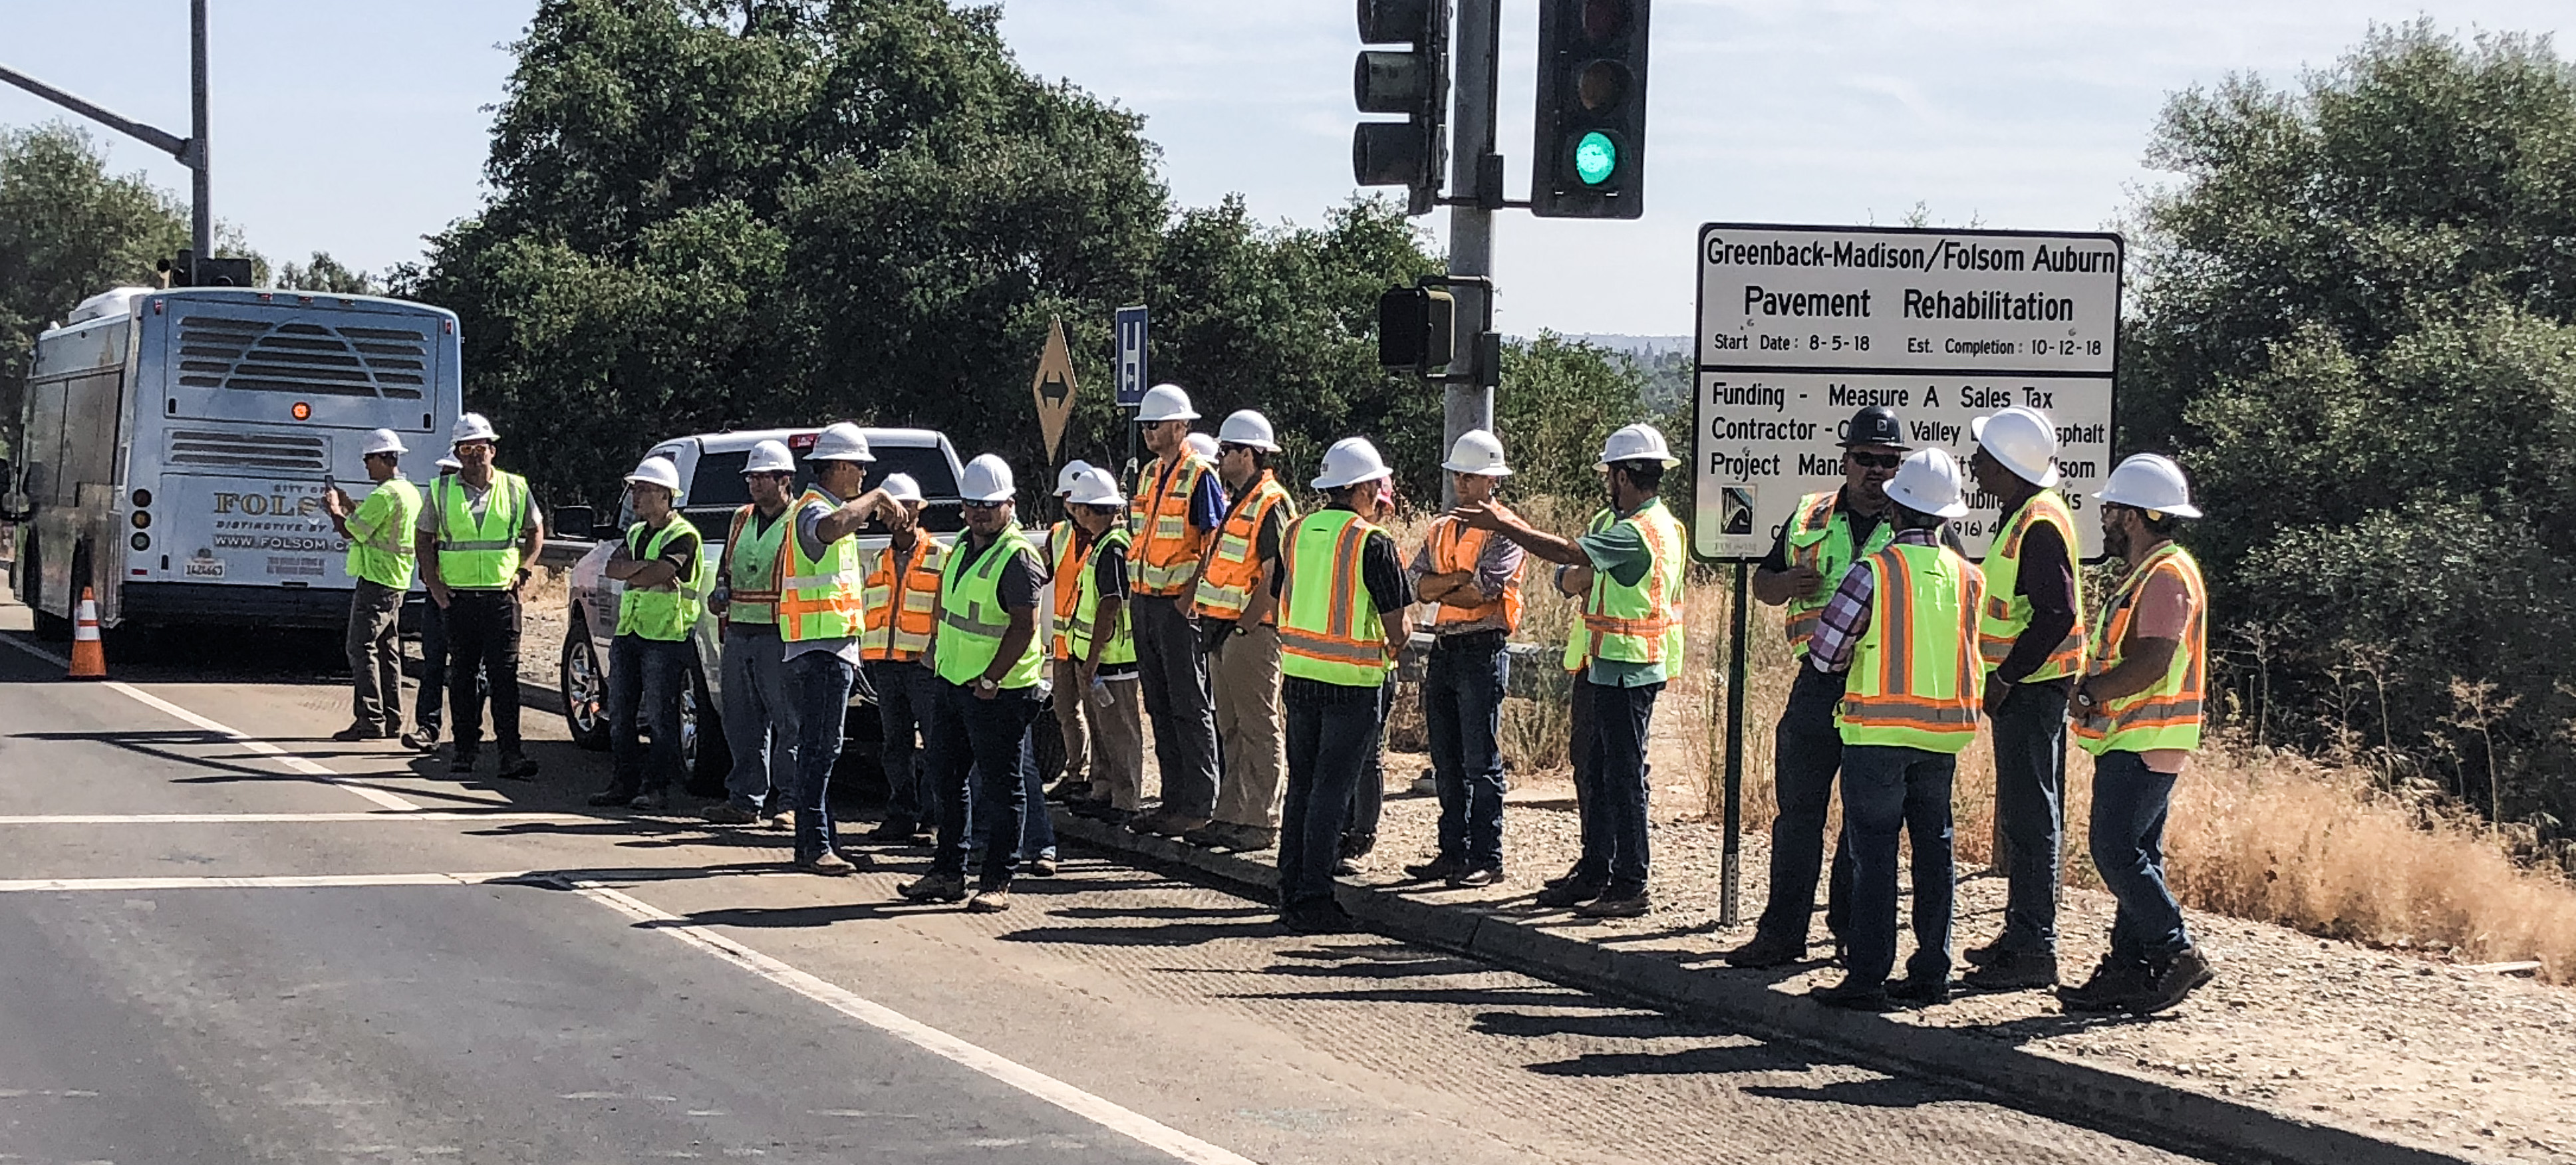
x: 2008, y: 614
x: 819, y: 597
x: 972, y: 620
x: 900, y: 630
x: 2167, y: 714
x: 480, y: 555
x: 668, y: 612
x: 1166, y: 556
x: 1820, y: 536
x: 754, y: 559
x: 1640, y: 623
x: 1080, y: 625
x: 1915, y: 679
x: 1226, y: 590
x: 1329, y: 626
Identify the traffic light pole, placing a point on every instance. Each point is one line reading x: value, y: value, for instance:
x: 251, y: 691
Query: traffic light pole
x: 190, y: 151
x: 1468, y: 403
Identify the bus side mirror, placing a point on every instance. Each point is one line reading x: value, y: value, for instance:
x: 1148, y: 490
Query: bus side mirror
x: 13, y: 501
x: 577, y: 519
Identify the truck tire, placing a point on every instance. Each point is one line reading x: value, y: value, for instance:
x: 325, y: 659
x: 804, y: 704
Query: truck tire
x: 49, y: 628
x: 584, y: 687
x: 705, y: 757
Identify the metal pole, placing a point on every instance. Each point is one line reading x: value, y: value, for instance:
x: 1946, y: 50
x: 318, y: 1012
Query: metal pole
x: 202, y: 203
x: 1731, y: 868
x: 1470, y: 405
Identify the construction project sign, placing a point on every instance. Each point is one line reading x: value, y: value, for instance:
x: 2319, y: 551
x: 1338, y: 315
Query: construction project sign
x: 1053, y: 387
x: 1802, y: 326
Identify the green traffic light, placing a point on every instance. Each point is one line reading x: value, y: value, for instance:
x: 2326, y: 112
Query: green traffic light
x: 1595, y: 156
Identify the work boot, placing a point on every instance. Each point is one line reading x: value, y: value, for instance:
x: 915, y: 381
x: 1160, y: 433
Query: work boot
x: 935, y: 888
x: 728, y: 813
x: 1923, y: 991
x: 1252, y: 839
x: 1571, y: 892
x: 2014, y: 971
x: 611, y: 796
x: 990, y: 899
x: 1067, y: 791
x: 893, y: 829
x: 517, y: 767
x: 1571, y: 873
x: 1213, y: 835
x: 1850, y: 996
x: 650, y: 800
x: 828, y: 864
x: 1618, y: 903
x: 1765, y: 951
x: 1358, y: 845
x: 2185, y: 974
x: 1993, y: 952
x: 1041, y: 866
x: 1439, y: 869
x: 423, y: 738
x: 1477, y: 877
x: 1326, y: 917
x: 2115, y: 980
x: 357, y: 732
x: 462, y: 764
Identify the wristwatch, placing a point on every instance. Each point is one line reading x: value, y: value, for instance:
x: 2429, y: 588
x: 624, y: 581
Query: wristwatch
x: 987, y: 684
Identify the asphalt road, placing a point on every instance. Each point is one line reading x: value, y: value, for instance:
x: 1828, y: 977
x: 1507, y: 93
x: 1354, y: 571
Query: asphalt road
x: 282, y: 949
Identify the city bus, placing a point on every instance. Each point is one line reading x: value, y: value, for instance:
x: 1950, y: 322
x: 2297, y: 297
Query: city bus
x: 175, y: 445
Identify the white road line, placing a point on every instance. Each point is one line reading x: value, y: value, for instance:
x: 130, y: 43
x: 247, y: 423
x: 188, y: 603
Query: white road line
x: 277, y: 818
x: 299, y: 764
x: 267, y: 882
x: 1137, y: 1126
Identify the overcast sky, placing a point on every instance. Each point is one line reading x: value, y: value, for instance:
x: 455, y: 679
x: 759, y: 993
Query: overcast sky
x: 358, y: 128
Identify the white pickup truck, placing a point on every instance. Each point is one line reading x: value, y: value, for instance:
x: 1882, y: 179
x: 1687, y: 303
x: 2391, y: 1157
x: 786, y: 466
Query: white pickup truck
x: 711, y: 464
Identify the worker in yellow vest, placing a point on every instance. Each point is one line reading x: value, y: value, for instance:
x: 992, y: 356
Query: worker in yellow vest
x: 478, y: 535
x: 821, y: 613
x: 429, y: 701
x: 1825, y: 534
x: 902, y: 614
x: 1629, y: 644
x: 2031, y: 636
x: 1073, y: 780
x: 760, y: 724
x: 1237, y: 617
x: 1901, y: 630
x: 988, y: 657
x: 1174, y: 515
x: 1341, y: 599
x: 2138, y: 711
x: 650, y: 658
x: 379, y: 531
x: 1470, y: 582
x: 1095, y: 651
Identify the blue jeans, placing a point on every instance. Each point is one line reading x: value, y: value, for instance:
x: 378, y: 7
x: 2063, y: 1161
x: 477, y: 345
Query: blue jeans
x: 905, y: 694
x: 759, y: 719
x: 1807, y: 750
x: 1329, y: 742
x: 1886, y: 789
x: 2129, y: 804
x: 1610, y: 789
x: 644, y: 678
x: 1037, y: 828
x: 1462, y: 707
x: 982, y: 740
x: 2030, y: 777
x: 818, y: 689
x: 1368, y: 794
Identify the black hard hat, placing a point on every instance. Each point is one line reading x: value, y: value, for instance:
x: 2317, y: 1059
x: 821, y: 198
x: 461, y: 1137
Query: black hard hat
x: 1875, y: 425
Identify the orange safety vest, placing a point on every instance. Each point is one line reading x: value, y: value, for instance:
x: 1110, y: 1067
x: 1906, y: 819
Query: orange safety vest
x: 1226, y: 590
x: 1068, y: 563
x: 902, y: 606
x: 1166, y: 554
x: 1456, y: 546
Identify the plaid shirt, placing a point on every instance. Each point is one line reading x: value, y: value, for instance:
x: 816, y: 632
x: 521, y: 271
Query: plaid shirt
x: 1846, y: 616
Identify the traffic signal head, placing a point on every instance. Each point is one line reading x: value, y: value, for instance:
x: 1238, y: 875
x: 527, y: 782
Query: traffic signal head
x: 1412, y: 81
x: 1590, y: 157
x: 1415, y: 328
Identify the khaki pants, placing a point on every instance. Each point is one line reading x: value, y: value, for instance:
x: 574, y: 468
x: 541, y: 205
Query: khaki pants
x: 1071, y: 710
x: 1245, y: 671
x: 375, y: 657
x: 1117, y: 740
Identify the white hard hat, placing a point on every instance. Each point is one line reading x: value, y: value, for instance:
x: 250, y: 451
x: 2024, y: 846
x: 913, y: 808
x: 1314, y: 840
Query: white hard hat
x: 1350, y: 461
x: 2023, y: 440
x: 988, y: 479
x: 1095, y: 488
x: 1072, y: 472
x: 1246, y: 427
x: 1203, y: 445
x: 1928, y: 482
x: 900, y: 487
x: 450, y: 463
x: 2150, y: 482
x: 1638, y: 442
x: 1165, y: 402
x: 383, y: 441
x: 472, y: 427
x: 841, y: 442
x: 770, y: 457
x: 1477, y: 451
x: 657, y: 470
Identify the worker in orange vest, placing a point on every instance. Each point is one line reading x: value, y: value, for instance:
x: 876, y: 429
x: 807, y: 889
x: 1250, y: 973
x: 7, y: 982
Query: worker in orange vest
x: 1236, y: 616
x: 1470, y: 580
x: 900, y: 601
x: 1174, y: 514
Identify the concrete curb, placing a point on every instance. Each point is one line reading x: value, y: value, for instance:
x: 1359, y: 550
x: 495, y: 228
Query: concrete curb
x: 2008, y: 1073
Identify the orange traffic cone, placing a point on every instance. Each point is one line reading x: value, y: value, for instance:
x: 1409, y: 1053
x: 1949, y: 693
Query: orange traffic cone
x: 89, y: 657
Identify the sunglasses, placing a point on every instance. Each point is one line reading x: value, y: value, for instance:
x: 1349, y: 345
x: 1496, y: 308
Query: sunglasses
x: 1875, y: 460
x: 768, y: 475
x: 1228, y: 447
x: 981, y: 505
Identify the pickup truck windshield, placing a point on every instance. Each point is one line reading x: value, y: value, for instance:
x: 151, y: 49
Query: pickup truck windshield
x: 717, y: 489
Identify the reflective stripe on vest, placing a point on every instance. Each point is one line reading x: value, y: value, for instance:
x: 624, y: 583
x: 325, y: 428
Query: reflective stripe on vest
x: 2007, y: 614
x: 971, y: 618
x: 2168, y: 713
x: 1454, y: 547
x: 1165, y: 555
x: 1329, y: 629
x: 480, y: 555
x: 1232, y: 570
x: 1820, y: 537
x: 1642, y: 623
x: 666, y: 612
x: 1916, y: 681
x: 755, y: 559
x: 818, y: 598
x: 1077, y: 628
x: 901, y: 630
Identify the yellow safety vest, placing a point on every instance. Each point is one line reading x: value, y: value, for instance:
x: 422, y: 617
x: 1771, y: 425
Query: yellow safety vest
x: 2007, y: 614
x: 1640, y: 623
x: 388, y: 515
x: 2168, y: 713
x: 1081, y: 628
x: 1329, y: 627
x: 667, y: 612
x: 819, y: 597
x: 1916, y: 681
x: 1820, y: 536
x: 972, y: 619
x: 753, y: 557
x: 480, y: 555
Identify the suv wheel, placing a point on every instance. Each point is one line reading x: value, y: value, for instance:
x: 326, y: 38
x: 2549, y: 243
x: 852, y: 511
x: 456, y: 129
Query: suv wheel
x: 584, y: 686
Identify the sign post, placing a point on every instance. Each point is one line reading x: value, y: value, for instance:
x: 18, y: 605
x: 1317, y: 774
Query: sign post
x: 1053, y: 387
x: 1802, y: 326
